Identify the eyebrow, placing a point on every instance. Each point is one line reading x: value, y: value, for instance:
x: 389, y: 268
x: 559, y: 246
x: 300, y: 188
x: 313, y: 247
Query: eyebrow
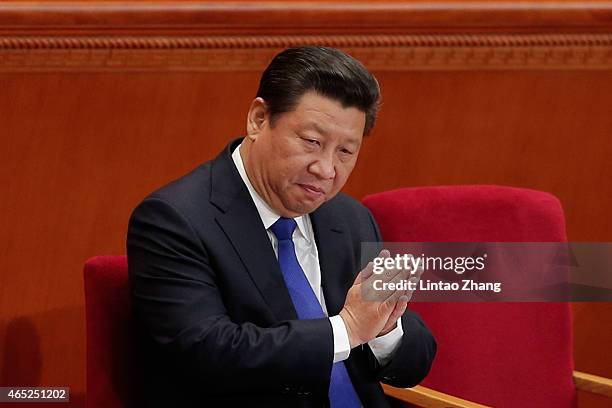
x: 315, y: 126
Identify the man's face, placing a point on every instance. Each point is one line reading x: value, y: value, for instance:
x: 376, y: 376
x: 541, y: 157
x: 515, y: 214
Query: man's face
x: 307, y: 156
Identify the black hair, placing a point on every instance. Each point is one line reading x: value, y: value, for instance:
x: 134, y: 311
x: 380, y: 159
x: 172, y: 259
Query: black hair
x: 327, y: 71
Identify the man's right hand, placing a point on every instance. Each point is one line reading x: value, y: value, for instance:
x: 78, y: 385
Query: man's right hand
x: 367, y: 312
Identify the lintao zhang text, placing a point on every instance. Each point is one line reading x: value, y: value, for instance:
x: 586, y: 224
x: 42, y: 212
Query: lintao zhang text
x: 466, y: 285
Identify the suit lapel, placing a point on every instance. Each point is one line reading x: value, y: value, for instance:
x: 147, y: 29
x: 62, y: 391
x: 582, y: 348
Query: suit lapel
x: 242, y: 225
x: 331, y: 244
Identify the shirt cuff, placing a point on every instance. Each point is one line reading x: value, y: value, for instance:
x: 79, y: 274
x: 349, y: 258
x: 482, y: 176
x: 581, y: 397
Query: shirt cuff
x: 383, y: 347
x: 342, y: 345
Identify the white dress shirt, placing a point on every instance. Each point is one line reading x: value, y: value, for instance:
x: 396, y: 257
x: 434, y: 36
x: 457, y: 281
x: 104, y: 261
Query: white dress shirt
x: 308, y: 257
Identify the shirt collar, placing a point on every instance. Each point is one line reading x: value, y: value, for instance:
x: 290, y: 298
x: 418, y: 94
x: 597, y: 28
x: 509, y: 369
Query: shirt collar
x: 267, y: 215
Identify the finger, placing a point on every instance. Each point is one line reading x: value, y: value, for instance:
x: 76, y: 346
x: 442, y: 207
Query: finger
x: 364, y: 274
x: 419, y: 271
x: 402, y: 305
x: 398, y: 311
x: 393, y: 274
x: 400, y: 308
x: 387, y: 273
x: 383, y: 254
x: 399, y: 276
x: 390, y: 325
x: 414, y: 284
x: 368, y: 271
x: 388, y: 288
x: 388, y: 305
x: 409, y: 285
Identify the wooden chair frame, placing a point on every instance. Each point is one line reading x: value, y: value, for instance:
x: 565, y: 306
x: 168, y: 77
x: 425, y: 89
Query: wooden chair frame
x: 428, y: 398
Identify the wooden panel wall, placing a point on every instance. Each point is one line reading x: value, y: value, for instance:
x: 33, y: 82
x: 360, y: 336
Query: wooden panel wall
x: 100, y: 103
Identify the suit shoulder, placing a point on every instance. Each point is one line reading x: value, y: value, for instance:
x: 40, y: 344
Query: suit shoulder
x: 347, y: 204
x: 361, y: 227
x: 186, y: 194
x: 356, y: 216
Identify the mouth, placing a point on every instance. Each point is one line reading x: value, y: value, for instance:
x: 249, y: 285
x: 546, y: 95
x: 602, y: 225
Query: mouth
x: 312, y: 191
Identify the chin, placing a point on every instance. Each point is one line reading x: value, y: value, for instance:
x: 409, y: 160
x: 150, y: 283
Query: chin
x: 303, y: 208
x: 300, y: 205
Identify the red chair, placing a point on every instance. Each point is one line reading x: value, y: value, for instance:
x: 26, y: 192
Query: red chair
x: 110, y: 359
x: 497, y: 354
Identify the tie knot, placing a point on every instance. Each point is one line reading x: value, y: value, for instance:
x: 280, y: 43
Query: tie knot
x: 283, y: 228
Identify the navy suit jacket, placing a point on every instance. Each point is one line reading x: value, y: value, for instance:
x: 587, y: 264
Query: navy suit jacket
x: 215, y: 322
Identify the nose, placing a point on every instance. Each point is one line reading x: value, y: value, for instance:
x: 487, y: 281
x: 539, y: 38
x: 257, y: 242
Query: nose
x: 323, y: 168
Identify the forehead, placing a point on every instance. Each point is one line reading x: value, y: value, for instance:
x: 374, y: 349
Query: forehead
x: 326, y: 115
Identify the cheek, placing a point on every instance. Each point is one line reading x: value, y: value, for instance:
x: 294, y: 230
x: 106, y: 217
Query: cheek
x: 296, y: 168
x: 286, y: 175
x: 345, y: 169
x: 342, y: 175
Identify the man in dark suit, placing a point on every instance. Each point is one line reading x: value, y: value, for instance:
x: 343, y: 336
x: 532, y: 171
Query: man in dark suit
x: 245, y: 273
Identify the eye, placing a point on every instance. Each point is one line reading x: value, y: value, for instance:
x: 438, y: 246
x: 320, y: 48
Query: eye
x: 346, y: 151
x: 313, y: 142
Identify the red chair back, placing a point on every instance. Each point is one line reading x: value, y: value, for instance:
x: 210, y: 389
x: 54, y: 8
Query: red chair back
x: 110, y: 359
x: 498, y: 354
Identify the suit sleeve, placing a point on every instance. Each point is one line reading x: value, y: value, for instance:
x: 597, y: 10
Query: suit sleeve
x: 176, y: 299
x: 412, y: 359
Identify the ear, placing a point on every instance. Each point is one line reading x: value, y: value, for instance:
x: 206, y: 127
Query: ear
x: 257, y: 118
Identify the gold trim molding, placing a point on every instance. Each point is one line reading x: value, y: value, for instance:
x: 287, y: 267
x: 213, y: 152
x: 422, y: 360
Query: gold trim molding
x: 215, y: 42
x: 252, y: 53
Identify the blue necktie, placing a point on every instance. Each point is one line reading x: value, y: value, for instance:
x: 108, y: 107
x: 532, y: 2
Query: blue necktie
x: 342, y: 394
